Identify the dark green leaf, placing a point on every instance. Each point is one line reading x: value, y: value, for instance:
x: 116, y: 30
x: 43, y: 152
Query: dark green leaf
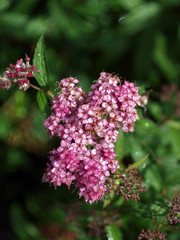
x: 41, y: 63
x: 140, y: 17
x: 162, y: 59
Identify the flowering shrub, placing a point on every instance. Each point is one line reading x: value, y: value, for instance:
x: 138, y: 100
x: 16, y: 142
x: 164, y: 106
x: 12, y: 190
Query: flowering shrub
x: 87, y: 127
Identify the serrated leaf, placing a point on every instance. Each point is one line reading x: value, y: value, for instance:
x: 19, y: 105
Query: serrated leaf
x: 138, y: 163
x: 113, y: 232
x: 42, y: 100
x: 41, y: 63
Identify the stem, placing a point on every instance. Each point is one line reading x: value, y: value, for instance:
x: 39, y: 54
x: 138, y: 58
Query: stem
x: 162, y: 224
x: 39, y: 89
x: 154, y: 220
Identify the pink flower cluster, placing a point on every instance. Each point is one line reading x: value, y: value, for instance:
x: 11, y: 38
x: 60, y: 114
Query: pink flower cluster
x: 87, y: 126
x: 19, y: 74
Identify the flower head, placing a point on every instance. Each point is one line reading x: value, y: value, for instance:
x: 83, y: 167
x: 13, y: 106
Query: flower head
x: 87, y: 126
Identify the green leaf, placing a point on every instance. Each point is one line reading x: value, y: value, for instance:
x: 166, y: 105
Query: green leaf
x: 41, y: 63
x: 23, y: 228
x: 42, y: 100
x: 113, y: 232
x: 163, y: 60
x: 137, y: 151
x: 4, y: 4
x: 176, y: 142
x: 153, y: 178
x: 172, y: 228
x: 108, y: 200
x: 146, y: 123
x: 138, y: 163
x: 7, y: 127
x: 174, y: 124
x: 119, y: 146
x: 141, y: 17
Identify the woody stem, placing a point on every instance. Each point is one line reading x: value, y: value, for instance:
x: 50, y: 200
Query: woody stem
x: 39, y: 89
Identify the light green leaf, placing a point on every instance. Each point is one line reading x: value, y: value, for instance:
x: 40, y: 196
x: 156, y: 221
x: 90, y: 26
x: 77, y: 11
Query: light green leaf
x: 119, y: 145
x: 113, y: 232
x: 42, y: 100
x: 138, y: 163
x: 174, y: 124
x: 41, y: 63
x: 146, y: 123
x: 4, y: 4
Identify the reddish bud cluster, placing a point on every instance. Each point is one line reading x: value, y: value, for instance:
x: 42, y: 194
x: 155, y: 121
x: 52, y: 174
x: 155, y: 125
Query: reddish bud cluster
x: 174, y: 210
x: 126, y: 183
x: 19, y: 74
x: 152, y: 235
x: 172, y: 217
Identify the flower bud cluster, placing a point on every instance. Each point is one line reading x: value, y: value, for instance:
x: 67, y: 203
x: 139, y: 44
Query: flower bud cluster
x: 174, y: 211
x: 172, y: 217
x: 126, y: 183
x: 18, y: 74
x: 152, y: 235
x: 87, y: 126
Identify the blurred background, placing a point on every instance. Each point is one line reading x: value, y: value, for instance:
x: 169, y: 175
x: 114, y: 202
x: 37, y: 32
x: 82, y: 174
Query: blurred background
x: 137, y: 39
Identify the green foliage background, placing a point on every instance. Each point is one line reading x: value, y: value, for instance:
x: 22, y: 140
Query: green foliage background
x: 139, y: 40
